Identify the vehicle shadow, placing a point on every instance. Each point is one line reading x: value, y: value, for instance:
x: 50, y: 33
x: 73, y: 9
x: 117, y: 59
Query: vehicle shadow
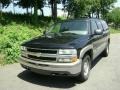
x: 52, y: 81
x: 96, y: 61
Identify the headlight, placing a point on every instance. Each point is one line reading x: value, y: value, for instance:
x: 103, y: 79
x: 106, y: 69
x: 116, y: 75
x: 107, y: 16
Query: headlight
x: 71, y: 53
x: 23, y: 48
x: 68, y: 52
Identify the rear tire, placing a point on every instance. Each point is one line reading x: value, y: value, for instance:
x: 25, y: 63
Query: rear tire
x: 85, y: 69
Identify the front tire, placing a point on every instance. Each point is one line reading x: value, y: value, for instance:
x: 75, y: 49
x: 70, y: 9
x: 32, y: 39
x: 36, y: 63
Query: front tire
x: 85, y: 69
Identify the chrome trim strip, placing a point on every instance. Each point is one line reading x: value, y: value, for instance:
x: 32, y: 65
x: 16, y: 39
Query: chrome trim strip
x: 47, y: 55
x: 48, y: 63
x: 42, y: 49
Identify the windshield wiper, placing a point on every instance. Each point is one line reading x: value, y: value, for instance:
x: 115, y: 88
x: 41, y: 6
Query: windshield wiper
x: 69, y: 33
x: 57, y: 34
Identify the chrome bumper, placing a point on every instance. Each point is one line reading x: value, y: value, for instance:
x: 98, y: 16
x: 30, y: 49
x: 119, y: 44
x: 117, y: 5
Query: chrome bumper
x: 71, y: 68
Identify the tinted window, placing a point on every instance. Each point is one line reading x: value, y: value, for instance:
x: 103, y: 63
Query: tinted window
x: 105, y: 26
x: 99, y: 25
x: 93, y: 26
x: 74, y: 26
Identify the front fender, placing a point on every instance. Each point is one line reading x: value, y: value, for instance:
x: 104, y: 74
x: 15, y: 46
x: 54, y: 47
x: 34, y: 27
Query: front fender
x: 85, y: 49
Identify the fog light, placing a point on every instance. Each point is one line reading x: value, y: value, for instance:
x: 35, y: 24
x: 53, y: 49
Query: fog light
x: 74, y: 59
x: 68, y: 60
x: 62, y: 60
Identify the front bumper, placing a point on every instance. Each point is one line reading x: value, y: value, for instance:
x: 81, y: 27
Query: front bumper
x: 69, y: 69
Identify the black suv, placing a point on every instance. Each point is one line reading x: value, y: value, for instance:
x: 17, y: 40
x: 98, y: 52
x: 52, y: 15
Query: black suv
x: 67, y: 48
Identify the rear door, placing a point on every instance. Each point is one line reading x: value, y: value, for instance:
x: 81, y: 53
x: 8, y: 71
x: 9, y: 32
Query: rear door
x: 105, y: 32
x: 97, y: 39
x: 101, y: 44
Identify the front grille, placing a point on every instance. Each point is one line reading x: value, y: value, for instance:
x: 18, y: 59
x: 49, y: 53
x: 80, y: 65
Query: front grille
x: 45, y: 54
x: 50, y: 59
x: 42, y: 50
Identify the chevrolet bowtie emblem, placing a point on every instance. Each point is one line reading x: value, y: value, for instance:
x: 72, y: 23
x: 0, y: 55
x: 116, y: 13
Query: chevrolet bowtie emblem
x: 39, y: 54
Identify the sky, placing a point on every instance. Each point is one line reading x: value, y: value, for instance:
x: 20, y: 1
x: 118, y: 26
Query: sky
x: 118, y: 3
x: 47, y: 10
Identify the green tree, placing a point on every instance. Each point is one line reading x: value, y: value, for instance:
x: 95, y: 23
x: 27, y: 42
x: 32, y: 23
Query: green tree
x: 78, y: 8
x: 25, y: 4
x: 4, y: 4
x: 114, y: 17
x: 101, y: 7
x: 95, y: 8
x: 105, y: 6
x: 37, y: 4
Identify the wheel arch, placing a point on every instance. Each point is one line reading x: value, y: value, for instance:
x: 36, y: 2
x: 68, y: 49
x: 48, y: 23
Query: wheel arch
x: 90, y: 53
x: 86, y: 50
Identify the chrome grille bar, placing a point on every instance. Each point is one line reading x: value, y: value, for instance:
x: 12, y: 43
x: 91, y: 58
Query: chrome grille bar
x: 45, y: 55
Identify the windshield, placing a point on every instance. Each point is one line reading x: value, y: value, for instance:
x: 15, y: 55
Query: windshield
x: 76, y: 27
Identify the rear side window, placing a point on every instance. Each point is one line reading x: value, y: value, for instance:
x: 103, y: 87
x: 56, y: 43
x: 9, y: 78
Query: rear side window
x: 105, y: 26
x: 99, y: 24
x: 93, y: 26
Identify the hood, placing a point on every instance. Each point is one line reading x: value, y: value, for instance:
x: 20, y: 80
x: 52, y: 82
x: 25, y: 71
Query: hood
x: 63, y: 41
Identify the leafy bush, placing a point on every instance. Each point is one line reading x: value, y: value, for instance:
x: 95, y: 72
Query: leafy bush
x: 11, y: 36
x: 14, y: 30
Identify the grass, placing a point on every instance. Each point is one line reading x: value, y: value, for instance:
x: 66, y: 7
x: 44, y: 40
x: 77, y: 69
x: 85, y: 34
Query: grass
x: 114, y: 31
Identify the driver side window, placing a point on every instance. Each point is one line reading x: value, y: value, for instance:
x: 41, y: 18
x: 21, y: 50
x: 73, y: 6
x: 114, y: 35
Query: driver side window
x: 93, y: 27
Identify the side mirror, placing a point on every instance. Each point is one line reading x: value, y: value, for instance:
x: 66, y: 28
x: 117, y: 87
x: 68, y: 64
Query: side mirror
x: 98, y: 32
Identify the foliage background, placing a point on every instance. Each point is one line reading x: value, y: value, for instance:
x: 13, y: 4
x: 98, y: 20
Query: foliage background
x: 14, y: 30
x: 11, y: 37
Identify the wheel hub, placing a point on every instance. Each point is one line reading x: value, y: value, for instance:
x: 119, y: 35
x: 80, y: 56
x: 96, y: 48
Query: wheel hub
x: 86, y: 68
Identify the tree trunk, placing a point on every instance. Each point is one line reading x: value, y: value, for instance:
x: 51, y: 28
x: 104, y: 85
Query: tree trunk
x: 42, y: 12
x: 92, y: 14
x: 98, y: 14
x: 68, y: 15
x: 27, y: 11
x: 35, y: 13
x: 54, y: 9
x: 13, y: 7
x: 89, y: 15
